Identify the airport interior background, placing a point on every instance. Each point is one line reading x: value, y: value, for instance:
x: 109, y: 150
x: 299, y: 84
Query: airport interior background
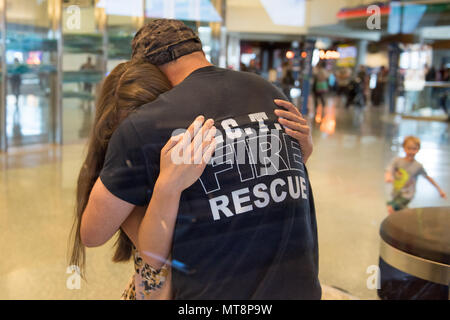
x: 385, y: 66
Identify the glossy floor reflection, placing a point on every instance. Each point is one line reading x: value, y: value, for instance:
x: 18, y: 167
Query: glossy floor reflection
x: 28, y: 119
x: 352, y: 148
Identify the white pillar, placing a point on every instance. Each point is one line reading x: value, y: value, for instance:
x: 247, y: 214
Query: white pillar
x: 233, y: 51
x: 362, y: 53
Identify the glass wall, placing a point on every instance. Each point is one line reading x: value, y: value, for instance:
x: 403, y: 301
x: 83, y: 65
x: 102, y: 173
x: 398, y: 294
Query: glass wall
x: 83, y: 66
x: 31, y: 64
x: 122, y: 25
x: 425, y: 87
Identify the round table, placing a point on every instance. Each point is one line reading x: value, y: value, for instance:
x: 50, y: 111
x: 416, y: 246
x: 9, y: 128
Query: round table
x: 415, y: 254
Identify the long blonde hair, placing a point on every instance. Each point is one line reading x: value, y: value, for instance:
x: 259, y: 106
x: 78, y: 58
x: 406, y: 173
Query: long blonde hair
x: 128, y: 86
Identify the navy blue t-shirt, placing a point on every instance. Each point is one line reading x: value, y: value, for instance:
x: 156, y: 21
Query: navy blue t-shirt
x: 247, y: 228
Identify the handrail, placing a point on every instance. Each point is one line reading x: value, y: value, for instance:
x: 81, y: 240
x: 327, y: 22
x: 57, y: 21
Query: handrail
x: 438, y: 84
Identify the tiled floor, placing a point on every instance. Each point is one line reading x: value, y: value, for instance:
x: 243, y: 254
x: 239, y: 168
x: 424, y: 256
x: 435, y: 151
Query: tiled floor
x: 346, y: 170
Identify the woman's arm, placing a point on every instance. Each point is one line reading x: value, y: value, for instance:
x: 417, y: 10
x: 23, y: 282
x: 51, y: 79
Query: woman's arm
x: 131, y: 225
x: 156, y: 229
x: 153, y: 284
x: 177, y: 172
x: 105, y: 213
x: 103, y: 216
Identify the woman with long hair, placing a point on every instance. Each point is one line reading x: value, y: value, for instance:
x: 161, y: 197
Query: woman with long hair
x: 129, y: 86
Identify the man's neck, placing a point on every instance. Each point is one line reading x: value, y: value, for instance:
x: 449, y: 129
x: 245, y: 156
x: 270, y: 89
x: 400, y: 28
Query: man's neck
x: 178, y: 70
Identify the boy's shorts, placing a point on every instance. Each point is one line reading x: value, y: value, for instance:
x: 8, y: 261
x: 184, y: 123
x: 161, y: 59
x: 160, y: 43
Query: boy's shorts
x: 399, y: 203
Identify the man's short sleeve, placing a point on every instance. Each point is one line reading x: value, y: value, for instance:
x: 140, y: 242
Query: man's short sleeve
x: 125, y: 172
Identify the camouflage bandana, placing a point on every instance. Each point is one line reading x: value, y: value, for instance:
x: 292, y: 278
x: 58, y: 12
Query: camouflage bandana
x: 164, y: 40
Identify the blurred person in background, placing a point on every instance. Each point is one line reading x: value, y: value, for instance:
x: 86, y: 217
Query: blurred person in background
x: 88, y: 99
x: 254, y: 67
x: 356, y: 89
x: 272, y: 76
x: 363, y: 76
x: 287, y: 79
x: 444, y: 92
x: 430, y: 74
x: 320, y: 89
x: 442, y: 73
x: 16, y: 79
x: 403, y: 174
x: 343, y: 77
x: 332, y: 82
x: 87, y: 66
x: 355, y: 93
x: 379, y: 91
x: 243, y: 67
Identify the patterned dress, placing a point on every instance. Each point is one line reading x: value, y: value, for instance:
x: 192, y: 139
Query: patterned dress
x: 146, y: 281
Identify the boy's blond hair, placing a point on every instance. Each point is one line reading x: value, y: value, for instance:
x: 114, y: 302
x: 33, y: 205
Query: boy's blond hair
x: 412, y: 139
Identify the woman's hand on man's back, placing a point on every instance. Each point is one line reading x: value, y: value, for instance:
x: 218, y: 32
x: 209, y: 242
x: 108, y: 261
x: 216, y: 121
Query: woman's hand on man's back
x: 295, y: 126
x: 184, y: 157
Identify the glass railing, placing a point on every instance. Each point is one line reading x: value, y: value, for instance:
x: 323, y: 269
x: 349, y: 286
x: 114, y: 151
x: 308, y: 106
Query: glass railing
x: 432, y: 101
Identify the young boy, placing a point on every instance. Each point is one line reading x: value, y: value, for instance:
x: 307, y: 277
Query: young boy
x: 403, y: 172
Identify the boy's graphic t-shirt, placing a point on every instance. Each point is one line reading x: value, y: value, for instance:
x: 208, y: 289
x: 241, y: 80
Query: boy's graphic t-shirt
x: 405, y: 175
x: 247, y: 228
